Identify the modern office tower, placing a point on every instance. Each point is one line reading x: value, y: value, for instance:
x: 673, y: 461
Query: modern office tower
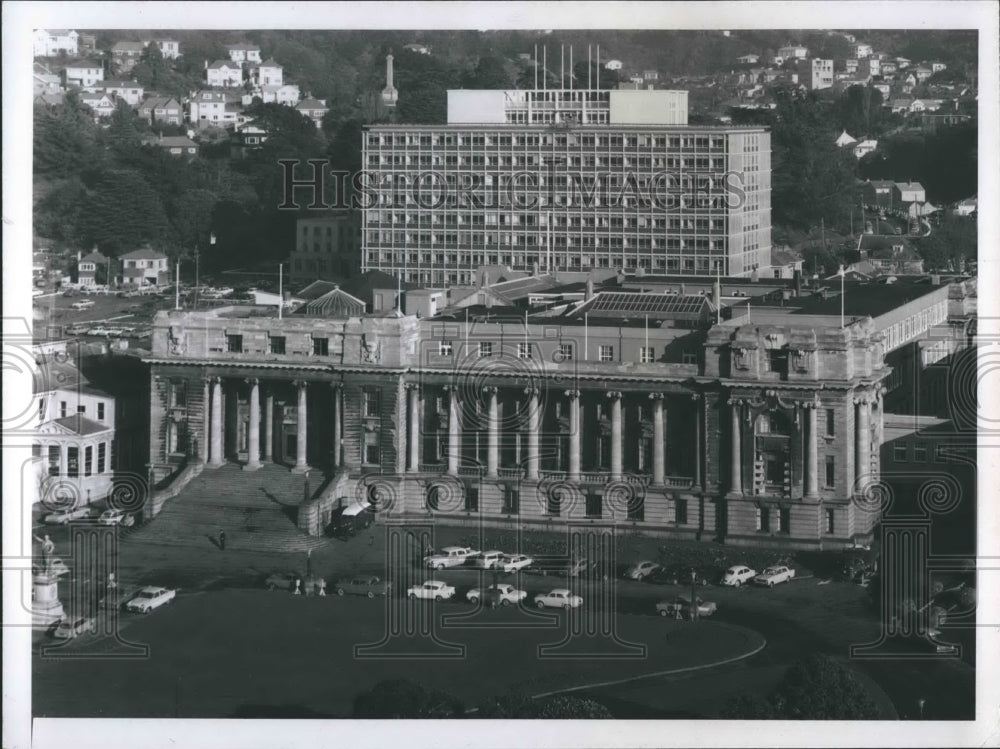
x: 565, y: 179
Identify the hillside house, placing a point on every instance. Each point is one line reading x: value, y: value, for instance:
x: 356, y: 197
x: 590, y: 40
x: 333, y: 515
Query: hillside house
x: 52, y: 42
x: 224, y: 74
x: 242, y: 53
x: 84, y: 73
x: 125, y: 55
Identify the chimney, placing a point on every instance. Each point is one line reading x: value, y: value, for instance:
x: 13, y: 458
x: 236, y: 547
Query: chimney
x: 935, y: 279
x: 754, y: 276
x: 717, y: 294
x: 797, y: 275
x: 206, y: 64
x: 534, y: 269
x: 589, y: 294
x: 388, y: 70
x: 79, y: 256
x: 484, y: 280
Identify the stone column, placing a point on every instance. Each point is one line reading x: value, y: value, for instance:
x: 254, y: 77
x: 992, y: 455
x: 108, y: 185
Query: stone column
x: 735, y: 456
x: 454, y: 431
x: 533, y: 422
x: 812, y: 457
x: 217, y: 426
x: 337, y: 428
x: 268, y: 426
x: 659, y: 457
x: 206, y: 435
x: 699, y: 441
x: 574, y: 434
x: 862, y: 441
x: 492, y: 434
x: 253, y: 438
x: 616, y: 435
x: 414, y: 441
x: 64, y: 459
x: 300, y: 429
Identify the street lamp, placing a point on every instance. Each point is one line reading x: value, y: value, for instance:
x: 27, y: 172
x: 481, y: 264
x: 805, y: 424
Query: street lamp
x: 694, y: 596
x: 920, y: 704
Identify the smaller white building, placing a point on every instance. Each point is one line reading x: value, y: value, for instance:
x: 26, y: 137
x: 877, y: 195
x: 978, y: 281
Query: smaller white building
x: 243, y: 52
x: 224, y: 74
x: 169, y: 48
x: 145, y: 267
x: 84, y: 73
x: 50, y: 42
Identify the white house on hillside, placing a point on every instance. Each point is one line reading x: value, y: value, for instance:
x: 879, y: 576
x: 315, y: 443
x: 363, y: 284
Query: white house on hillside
x: 243, y: 52
x: 84, y: 73
x: 50, y: 42
x: 224, y: 74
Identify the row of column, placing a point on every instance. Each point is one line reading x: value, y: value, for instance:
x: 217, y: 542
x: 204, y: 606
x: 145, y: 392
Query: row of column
x: 862, y: 445
x: 533, y: 427
x: 215, y: 424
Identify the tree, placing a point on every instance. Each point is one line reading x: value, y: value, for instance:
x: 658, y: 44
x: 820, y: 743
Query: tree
x: 402, y: 698
x: 519, y: 705
x: 491, y: 72
x: 121, y: 213
x: 950, y: 244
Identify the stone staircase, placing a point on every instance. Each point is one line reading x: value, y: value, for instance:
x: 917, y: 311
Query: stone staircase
x: 256, y: 509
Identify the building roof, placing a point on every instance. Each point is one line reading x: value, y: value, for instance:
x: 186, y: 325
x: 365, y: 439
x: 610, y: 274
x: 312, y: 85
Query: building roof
x: 144, y: 253
x: 128, y: 47
x: 81, y: 425
x: 83, y: 64
x: 219, y: 64
x: 316, y: 289
x: 865, y: 299
x: 243, y: 46
x: 270, y: 62
x: 635, y: 305
x: 170, y: 141
x: 335, y: 303
x: 121, y: 84
x: 311, y: 103
x: 909, y: 185
x: 93, y: 257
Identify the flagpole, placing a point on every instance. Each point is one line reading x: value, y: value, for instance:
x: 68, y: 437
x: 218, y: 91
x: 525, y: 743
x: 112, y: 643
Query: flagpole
x: 646, y: 326
x: 281, y: 292
x: 586, y: 339
x: 841, y: 273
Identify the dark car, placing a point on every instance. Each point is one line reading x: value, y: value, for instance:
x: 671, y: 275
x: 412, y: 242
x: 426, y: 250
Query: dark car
x: 679, y: 575
x: 365, y: 585
x: 286, y: 581
x: 349, y: 521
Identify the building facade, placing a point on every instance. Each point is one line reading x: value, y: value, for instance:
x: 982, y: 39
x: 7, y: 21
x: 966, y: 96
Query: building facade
x: 644, y: 409
x: 50, y: 42
x: 565, y: 179
x: 325, y: 248
x: 822, y: 74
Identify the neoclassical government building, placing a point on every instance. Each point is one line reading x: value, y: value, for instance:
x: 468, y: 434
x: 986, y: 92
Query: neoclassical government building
x: 668, y: 407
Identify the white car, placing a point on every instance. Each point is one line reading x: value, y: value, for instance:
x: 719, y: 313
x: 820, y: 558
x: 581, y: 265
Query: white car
x: 63, y: 517
x: 115, y: 517
x: 501, y: 594
x: 73, y: 627
x: 431, y: 590
x: 488, y: 560
x: 515, y: 562
x: 738, y: 575
x: 450, y: 556
x: 83, y: 304
x: 774, y: 575
x: 560, y: 598
x: 639, y: 570
x: 149, y: 598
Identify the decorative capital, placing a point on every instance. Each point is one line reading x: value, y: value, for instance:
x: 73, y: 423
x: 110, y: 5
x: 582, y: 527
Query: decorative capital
x: 251, y: 381
x: 863, y: 399
x: 572, y: 394
x: 452, y: 389
x: 215, y: 380
x: 414, y: 386
x: 300, y: 384
x: 337, y: 385
x: 491, y: 389
x: 614, y: 395
x: 697, y: 396
x: 656, y: 396
x: 531, y: 392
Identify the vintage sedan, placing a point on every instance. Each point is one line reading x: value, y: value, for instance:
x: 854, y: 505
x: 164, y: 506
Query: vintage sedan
x: 641, y: 570
x: 737, y: 575
x: 774, y: 575
x: 450, y: 556
x: 681, y: 607
x: 515, y: 562
x: 367, y: 585
x: 501, y: 594
x: 431, y: 590
x: 115, y: 517
x: 64, y: 517
x: 74, y: 626
x: 559, y: 598
x: 149, y: 598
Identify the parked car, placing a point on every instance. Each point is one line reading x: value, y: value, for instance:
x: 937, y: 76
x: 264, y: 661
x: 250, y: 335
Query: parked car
x: 501, y: 594
x: 62, y: 517
x: 489, y: 560
x: 515, y: 562
x: 681, y: 606
x: 77, y: 329
x: 450, y: 556
x: 149, y: 598
x: 559, y: 598
x: 737, y: 575
x: 774, y: 575
x: 641, y: 570
x: 367, y: 585
x: 431, y: 590
x: 83, y: 304
x: 116, y: 517
x: 678, y: 574
x: 74, y: 626
x: 350, y: 520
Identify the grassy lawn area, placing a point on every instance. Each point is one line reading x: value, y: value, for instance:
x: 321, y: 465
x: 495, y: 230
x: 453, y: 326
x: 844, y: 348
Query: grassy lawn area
x: 236, y: 652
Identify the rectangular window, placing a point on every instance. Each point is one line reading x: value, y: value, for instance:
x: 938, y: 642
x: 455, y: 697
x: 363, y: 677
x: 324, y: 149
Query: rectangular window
x: 88, y: 460
x: 784, y: 520
x: 321, y: 346
x: 511, y: 501
x: 485, y: 349
x: 73, y: 462
x: 101, y: 456
x: 472, y: 500
x: 899, y: 453
x: 606, y: 353
x: 919, y: 453
x: 776, y: 360
x: 371, y: 403
x: 681, y: 512
x: 636, y: 508
x: 100, y: 412
x: 829, y: 521
x: 831, y: 470
x: 234, y: 344
x: 371, y: 450
x: 645, y: 354
x: 444, y: 348
x: 524, y: 351
x: 81, y: 409
x: 53, y: 460
x: 277, y: 344
x: 689, y: 358
x: 761, y: 514
x: 565, y: 352
x: 829, y: 422
x: 62, y: 409
x: 595, y: 505
x: 41, y: 409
